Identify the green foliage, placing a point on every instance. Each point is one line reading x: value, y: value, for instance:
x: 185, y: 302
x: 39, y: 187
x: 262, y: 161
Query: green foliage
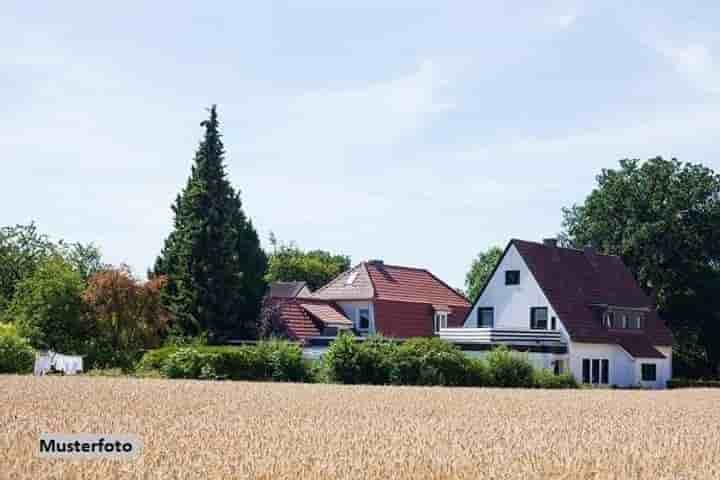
x: 271, y: 360
x: 480, y: 271
x: 509, y: 369
x: 663, y: 218
x: 477, y: 373
x: 8, y: 330
x: 212, y: 258
x: 317, y: 267
x: 47, y: 307
x: 341, y: 359
x: 547, y: 379
x: 155, y: 359
x: 692, y: 383
x: 375, y: 360
x: 189, y: 362
x: 284, y: 360
x: 23, y: 248
x: 429, y: 361
x: 16, y: 355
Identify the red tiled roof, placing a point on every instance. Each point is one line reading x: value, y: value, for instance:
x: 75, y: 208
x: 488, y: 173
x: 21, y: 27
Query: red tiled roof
x: 327, y: 314
x: 307, y: 319
x: 406, y: 284
x: 299, y: 323
x: 574, y: 281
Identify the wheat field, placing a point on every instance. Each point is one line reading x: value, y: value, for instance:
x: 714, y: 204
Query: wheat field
x: 195, y: 429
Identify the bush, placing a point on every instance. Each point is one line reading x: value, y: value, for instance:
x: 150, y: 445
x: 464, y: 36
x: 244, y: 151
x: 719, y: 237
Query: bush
x: 375, y: 361
x: 477, y: 373
x: 8, y: 330
x: 429, y: 361
x: 508, y: 369
x: 283, y: 360
x: 155, y: 359
x: 269, y: 360
x: 47, y: 307
x: 547, y: 379
x: 341, y: 359
x: 691, y: 383
x: 189, y: 362
x: 16, y: 355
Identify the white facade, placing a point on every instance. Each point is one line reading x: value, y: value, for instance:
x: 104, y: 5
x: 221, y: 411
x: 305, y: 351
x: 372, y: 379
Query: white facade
x: 606, y: 364
x: 353, y: 310
x: 512, y: 303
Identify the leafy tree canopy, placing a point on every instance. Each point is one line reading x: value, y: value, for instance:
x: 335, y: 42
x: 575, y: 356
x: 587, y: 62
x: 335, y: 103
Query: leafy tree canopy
x: 47, y: 307
x: 480, y: 271
x: 663, y: 218
x: 23, y: 248
x: 289, y: 263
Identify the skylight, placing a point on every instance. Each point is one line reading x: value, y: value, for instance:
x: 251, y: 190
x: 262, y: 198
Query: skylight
x: 351, y: 278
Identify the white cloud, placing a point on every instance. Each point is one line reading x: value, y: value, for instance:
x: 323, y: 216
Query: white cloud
x: 329, y: 122
x: 696, y: 62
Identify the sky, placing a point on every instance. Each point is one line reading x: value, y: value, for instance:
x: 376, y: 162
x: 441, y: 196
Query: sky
x: 420, y: 133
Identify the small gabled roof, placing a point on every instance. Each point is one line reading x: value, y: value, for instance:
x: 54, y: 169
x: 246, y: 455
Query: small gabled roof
x: 327, y: 314
x: 377, y: 280
x: 577, y: 283
x: 288, y: 289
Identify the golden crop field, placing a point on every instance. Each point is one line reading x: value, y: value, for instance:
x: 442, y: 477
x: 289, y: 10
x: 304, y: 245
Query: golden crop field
x: 195, y: 429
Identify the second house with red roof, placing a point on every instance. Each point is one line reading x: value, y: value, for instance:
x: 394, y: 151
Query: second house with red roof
x: 372, y: 297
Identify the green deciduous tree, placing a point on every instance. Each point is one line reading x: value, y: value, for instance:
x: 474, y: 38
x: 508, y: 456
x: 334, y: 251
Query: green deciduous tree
x: 663, y: 218
x: 47, y: 307
x: 23, y: 248
x: 316, y: 267
x: 480, y: 271
x: 212, y: 259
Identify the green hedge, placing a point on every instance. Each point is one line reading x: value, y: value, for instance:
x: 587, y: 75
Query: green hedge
x: 16, y: 355
x: 269, y: 360
x: 430, y: 361
x: 375, y: 361
x: 688, y: 383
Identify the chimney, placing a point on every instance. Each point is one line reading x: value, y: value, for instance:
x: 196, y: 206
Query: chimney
x: 550, y: 242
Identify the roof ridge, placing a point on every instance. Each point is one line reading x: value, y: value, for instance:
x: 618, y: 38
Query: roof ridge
x: 572, y: 249
x: 363, y: 265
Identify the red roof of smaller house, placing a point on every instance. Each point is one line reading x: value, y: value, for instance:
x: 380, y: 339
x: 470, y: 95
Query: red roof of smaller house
x: 408, y: 284
x: 299, y: 323
x: 327, y: 314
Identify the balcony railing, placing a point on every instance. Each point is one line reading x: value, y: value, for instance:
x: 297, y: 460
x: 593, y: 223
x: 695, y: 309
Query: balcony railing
x: 507, y: 336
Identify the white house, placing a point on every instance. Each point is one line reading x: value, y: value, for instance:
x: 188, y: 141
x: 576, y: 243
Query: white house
x: 570, y: 310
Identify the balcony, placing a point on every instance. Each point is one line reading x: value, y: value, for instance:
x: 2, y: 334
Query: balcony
x: 541, y: 341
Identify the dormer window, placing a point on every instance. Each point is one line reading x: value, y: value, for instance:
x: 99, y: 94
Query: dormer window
x: 623, y: 319
x: 512, y: 277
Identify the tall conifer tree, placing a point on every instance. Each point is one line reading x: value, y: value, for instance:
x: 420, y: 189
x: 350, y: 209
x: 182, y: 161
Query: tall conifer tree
x: 212, y: 258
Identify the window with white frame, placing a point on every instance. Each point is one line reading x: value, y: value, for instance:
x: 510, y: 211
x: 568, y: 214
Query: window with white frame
x: 440, y: 321
x: 596, y: 371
